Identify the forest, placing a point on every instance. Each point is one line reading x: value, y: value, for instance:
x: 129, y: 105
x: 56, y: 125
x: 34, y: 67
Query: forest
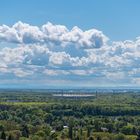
x: 29, y: 115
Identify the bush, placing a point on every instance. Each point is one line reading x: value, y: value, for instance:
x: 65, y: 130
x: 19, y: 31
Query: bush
x: 120, y: 137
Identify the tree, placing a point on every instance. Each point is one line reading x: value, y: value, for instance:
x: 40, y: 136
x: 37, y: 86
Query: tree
x: 54, y: 136
x: 59, y: 126
x: 25, y: 132
x: 127, y: 130
x: 77, y: 138
x: 70, y: 131
x: 71, y: 128
x: 48, y: 118
x: 138, y: 138
x: 91, y: 138
x: 120, y: 137
x: 62, y: 135
x: 97, y: 125
x: 110, y: 127
x: 1, y: 127
x: 88, y: 131
x: 98, y: 138
x: 134, y: 131
x: 40, y: 133
x: 10, y: 137
x: 138, y: 134
x: 47, y: 130
x: 3, y: 135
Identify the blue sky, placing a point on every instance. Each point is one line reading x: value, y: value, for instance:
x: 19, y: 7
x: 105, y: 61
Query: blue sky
x: 76, y: 43
x: 117, y: 19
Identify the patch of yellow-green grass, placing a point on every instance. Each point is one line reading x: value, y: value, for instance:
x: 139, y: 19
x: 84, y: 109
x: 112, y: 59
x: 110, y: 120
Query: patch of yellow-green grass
x: 131, y: 137
x: 24, y: 103
x: 102, y: 134
x: 111, y: 135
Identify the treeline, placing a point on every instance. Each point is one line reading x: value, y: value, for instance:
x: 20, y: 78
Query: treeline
x: 69, y: 110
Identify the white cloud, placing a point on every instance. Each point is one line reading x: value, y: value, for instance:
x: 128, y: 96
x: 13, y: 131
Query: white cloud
x: 79, y: 72
x: 50, y: 34
x: 136, y: 81
x: 59, y: 58
x: 115, y: 75
x: 52, y: 72
x: 21, y: 72
x: 54, y: 50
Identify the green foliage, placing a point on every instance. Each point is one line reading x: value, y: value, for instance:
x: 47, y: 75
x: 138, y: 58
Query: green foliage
x: 90, y: 138
x: 120, y: 137
x: 71, y: 124
x: 128, y: 130
x: 3, y: 135
x: 25, y: 131
x: 39, y: 116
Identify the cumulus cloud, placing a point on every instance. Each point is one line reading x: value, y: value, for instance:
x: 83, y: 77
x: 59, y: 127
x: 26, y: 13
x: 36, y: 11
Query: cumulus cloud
x: 55, y: 51
x: 50, y: 34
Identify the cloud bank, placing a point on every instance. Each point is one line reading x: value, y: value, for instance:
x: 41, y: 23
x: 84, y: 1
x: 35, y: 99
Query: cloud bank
x: 55, y: 52
x: 49, y: 34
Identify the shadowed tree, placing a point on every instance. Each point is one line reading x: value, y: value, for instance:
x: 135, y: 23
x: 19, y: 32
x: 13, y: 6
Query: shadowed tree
x: 25, y: 132
x: 3, y: 135
x: 71, y: 128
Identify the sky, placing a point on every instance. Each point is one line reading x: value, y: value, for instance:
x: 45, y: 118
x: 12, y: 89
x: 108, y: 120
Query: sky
x: 76, y: 43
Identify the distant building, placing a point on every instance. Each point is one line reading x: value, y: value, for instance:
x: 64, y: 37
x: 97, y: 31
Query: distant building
x: 104, y: 129
x: 53, y: 131
x: 65, y: 126
x: 74, y: 95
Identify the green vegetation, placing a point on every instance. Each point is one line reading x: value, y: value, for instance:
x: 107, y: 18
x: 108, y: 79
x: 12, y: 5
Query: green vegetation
x: 40, y: 116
